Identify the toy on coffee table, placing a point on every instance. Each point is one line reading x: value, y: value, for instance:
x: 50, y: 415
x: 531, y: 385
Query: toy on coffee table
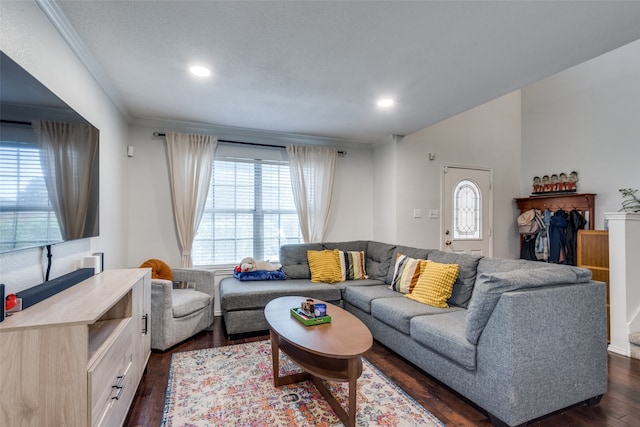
x: 312, y: 309
x: 310, y: 313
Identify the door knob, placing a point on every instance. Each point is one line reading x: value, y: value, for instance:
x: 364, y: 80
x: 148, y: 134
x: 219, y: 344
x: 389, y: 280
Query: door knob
x: 447, y: 242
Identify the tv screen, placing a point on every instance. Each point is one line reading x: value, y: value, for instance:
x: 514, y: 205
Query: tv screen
x: 49, y: 165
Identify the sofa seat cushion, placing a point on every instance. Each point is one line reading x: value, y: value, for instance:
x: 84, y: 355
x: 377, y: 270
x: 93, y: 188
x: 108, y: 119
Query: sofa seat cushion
x: 361, y: 296
x: 237, y: 295
x: 188, y: 301
x: 398, y: 312
x: 445, y: 334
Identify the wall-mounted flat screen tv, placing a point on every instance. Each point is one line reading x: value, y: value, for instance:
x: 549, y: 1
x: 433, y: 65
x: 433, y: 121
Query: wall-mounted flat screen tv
x: 49, y: 165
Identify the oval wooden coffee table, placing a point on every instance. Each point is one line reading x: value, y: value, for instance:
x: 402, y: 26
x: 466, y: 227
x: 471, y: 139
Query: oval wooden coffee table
x: 329, y: 351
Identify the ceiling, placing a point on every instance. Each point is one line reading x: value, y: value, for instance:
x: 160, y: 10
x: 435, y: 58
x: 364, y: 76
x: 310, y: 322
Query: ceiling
x: 316, y: 68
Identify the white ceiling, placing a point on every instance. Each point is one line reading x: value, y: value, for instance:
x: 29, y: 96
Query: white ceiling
x: 317, y: 67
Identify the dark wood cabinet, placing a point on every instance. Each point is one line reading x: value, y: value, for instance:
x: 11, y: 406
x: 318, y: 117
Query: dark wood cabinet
x: 585, y: 203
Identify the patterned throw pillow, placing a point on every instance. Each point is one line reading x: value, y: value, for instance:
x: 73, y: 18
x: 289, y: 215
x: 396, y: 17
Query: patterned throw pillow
x: 435, y: 284
x: 325, y: 266
x: 352, y: 265
x: 406, y: 273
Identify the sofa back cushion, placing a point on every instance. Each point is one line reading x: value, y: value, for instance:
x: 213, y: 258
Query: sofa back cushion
x: 380, y: 259
x: 293, y: 258
x: 463, y: 287
x: 490, y: 286
x: 498, y: 265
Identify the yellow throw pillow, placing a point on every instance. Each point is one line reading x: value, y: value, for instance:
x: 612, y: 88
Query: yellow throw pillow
x: 435, y: 284
x: 325, y: 266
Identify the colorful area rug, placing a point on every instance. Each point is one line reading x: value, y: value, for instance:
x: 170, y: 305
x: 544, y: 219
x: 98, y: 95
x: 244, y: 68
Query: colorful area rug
x: 233, y: 386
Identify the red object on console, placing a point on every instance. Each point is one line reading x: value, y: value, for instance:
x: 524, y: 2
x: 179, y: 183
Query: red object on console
x: 10, y: 302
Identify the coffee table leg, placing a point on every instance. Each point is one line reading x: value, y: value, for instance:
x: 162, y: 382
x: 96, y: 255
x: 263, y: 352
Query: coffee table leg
x: 353, y: 379
x: 275, y: 357
x: 347, y: 418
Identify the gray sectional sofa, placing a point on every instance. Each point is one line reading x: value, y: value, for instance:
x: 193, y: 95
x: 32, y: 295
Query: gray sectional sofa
x: 521, y: 339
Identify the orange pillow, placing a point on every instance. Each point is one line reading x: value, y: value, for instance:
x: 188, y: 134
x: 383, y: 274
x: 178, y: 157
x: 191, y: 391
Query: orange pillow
x: 159, y: 269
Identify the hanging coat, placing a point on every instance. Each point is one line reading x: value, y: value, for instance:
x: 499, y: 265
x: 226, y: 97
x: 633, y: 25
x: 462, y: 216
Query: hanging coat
x: 557, y: 237
x: 576, y: 222
x: 528, y: 248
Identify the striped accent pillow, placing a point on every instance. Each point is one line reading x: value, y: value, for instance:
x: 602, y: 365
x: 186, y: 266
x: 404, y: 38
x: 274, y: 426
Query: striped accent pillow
x: 325, y: 266
x: 352, y: 265
x: 406, y: 273
x: 435, y: 284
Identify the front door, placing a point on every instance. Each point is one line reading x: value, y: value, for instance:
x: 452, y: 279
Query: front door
x: 467, y: 209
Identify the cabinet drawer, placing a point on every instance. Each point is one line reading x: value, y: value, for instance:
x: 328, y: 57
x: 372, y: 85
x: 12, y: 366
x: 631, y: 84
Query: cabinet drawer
x: 110, y: 381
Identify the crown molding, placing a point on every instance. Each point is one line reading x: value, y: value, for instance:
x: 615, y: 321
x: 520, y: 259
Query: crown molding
x: 56, y: 16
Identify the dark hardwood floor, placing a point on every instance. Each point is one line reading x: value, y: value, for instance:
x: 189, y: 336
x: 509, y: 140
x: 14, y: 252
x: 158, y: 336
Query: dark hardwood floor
x: 619, y: 407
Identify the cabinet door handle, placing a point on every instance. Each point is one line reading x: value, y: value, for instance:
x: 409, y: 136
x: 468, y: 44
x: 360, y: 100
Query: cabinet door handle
x: 119, y: 386
x: 145, y: 328
x: 119, y: 393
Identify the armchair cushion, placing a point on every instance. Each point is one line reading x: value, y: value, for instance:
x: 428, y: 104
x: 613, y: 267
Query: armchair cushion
x: 188, y: 301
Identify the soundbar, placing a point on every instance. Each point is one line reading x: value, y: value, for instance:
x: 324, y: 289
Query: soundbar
x: 48, y: 289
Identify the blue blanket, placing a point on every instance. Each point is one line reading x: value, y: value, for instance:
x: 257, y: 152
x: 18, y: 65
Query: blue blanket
x: 260, y: 275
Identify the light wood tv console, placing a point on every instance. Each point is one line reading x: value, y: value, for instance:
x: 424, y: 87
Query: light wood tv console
x: 76, y: 358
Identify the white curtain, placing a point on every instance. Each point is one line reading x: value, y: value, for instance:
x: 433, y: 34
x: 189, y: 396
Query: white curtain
x: 67, y: 155
x: 190, y: 167
x: 312, y: 173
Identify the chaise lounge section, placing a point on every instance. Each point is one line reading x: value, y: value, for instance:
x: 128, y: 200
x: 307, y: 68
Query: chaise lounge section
x: 521, y: 339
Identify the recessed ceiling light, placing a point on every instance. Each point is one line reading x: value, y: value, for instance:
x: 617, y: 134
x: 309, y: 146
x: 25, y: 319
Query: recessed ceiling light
x: 385, y: 102
x: 200, y: 71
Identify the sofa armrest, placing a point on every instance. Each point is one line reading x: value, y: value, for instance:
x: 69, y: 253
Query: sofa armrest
x: 161, y: 295
x: 203, y: 280
x: 543, y: 349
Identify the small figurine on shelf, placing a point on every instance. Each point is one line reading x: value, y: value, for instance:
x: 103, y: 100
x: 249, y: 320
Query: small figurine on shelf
x: 562, y: 183
x: 554, y: 183
x: 546, y: 186
x: 572, y: 185
x: 537, y: 185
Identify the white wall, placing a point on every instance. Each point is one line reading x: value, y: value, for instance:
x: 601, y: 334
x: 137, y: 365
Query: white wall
x: 152, y: 230
x: 486, y: 136
x: 384, y: 196
x: 28, y: 37
x: 586, y: 119
x: 353, y: 189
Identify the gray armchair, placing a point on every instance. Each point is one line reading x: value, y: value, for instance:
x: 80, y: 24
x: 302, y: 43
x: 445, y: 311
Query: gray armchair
x: 177, y: 312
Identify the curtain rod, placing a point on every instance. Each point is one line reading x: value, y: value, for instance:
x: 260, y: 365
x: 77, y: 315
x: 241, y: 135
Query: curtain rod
x: 157, y: 134
x: 15, y: 122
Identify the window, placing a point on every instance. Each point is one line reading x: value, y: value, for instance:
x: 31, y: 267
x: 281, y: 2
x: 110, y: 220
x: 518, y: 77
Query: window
x: 466, y: 211
x: 249, y: 212
x: 26, y: 216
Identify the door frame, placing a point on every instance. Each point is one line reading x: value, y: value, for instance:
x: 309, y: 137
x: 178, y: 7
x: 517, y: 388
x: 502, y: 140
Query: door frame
x: 442, y: 199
